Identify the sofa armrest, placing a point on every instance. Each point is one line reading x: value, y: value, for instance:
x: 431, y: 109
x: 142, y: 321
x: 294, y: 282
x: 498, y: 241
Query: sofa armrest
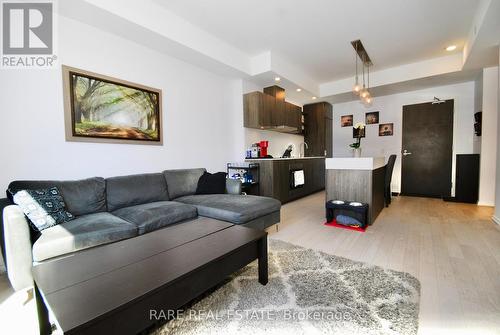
x: 233, y: 186
x: 18, y: 254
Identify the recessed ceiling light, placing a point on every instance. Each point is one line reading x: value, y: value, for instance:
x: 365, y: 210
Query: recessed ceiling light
x: 277, y: 78
x: 314, y: 98
x: 451, y: 48
x: 299, y: 89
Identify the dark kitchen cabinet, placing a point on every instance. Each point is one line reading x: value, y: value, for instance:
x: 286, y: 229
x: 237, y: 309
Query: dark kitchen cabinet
x: 293, y: 116
x: 329, y: 134
x: 257, y: 110
x: 318, y: 133
x: 275, y: 177
x: 278, y: 116
x: 270, y: 111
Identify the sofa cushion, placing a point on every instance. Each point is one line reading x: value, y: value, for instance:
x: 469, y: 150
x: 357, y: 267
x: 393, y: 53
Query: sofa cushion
x: 81, y: 233
x: 236, y: 209
x: 126, y: 191
x: 155, y: 215
x: 81, y: 196
x: 182, y: 182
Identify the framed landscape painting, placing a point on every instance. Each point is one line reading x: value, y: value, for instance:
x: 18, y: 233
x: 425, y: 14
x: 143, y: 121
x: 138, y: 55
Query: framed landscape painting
x: 99, y: 108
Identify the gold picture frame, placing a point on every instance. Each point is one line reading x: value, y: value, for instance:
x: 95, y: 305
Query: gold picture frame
x: 103, y: 109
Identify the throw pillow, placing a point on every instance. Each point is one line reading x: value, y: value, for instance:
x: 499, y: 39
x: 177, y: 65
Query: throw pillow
x: 44, y: 208
x: 212, y: 183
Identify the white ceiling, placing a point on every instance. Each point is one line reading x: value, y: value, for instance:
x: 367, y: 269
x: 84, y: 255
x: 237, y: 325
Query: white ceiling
x: 314, y: 35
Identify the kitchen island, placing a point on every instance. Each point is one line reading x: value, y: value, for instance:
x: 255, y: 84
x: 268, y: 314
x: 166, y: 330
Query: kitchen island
x: 281, y: 178
x: 357, y: 179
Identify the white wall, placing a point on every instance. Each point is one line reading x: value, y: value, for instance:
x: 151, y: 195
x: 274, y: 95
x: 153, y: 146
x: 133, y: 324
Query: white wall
x: 278, y: 142
x: 496, y: 216
x: 198, y: 109
x: 478, y: 107
x: 390, y: 108
x: 489, y: 137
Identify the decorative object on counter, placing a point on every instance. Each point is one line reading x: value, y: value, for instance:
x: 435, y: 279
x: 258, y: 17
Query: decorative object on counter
x: 372, y: 117
x: 346, y: 120
x: 288, y: 152
x: 248, y: 173
x: 258, y: 150
x: 347, y: 214
x: 358, y: 131
x: 386, y: 129
x: 363, y: 92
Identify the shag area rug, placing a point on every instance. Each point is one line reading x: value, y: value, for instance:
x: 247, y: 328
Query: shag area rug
x: 309, y: 292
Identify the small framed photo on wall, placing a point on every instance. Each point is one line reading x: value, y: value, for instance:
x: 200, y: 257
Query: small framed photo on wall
x: 346, y: 121
x: 371, y: 117
x: 386, y: 129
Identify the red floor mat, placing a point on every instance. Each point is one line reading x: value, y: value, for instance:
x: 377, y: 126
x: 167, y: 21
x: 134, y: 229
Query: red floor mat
x: 335, y: 224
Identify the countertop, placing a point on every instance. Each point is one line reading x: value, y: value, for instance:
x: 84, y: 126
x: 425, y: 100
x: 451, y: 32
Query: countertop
x: 281, y: 159
x: 354, y: 163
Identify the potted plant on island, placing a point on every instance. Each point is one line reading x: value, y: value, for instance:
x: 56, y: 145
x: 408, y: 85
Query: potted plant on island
x: 359, y: 132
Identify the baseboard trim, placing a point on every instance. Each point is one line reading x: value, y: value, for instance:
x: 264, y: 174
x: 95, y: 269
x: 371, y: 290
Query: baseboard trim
x: 496, y: 219
x: 485, y: 204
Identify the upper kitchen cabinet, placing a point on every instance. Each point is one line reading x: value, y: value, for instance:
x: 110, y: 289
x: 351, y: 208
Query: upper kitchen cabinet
x: 258, y: 108
x: 318, y: 134
x: 270, y: 111
x: 278, y: 116
x: 293, y: 116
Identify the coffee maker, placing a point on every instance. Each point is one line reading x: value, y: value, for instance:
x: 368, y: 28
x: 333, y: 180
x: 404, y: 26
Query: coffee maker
x: 263, y: 148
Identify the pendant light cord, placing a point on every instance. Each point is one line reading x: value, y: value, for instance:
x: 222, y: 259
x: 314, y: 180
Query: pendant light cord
x: 356, y: 55
x: 368, y: 70
x: 363, y: 74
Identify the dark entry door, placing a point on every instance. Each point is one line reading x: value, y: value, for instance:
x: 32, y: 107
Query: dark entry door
x: 427, y: 149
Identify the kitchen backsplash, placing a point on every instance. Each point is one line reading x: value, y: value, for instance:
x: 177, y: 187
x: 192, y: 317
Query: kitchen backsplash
x: 278, y: 142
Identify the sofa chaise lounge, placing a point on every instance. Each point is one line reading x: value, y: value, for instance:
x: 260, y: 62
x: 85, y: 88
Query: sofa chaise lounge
x: 117, y: 208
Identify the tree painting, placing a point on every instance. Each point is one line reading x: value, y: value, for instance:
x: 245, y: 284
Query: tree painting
x: 110, y: 110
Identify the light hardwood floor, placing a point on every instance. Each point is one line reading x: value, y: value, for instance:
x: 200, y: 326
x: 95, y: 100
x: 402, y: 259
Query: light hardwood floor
x: 453, y: 249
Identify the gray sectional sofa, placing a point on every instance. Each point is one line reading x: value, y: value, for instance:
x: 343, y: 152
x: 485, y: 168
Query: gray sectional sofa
x: 117, y: 208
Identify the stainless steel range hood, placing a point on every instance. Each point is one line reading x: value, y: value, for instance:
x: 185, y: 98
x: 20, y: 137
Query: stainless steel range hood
x: 284, y: 129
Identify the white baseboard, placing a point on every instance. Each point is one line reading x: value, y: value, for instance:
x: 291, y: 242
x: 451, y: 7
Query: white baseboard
x: 485, y: 204
x: 496, y: 219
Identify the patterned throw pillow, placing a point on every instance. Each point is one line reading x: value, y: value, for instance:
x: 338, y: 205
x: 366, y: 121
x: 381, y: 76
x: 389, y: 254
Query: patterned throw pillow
x: 44, y: 208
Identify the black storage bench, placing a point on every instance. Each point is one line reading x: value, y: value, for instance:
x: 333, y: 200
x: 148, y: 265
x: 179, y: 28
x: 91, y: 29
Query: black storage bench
x: 353, y: 209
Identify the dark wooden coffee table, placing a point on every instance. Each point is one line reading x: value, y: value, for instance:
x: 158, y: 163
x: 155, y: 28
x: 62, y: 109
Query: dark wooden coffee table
x: 112, y: 289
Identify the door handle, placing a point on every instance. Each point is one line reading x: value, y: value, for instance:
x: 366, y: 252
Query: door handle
x: 406, y: 153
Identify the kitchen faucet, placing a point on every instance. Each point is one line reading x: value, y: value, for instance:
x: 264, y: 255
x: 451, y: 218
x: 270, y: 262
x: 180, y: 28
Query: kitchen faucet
x: 306, y: 146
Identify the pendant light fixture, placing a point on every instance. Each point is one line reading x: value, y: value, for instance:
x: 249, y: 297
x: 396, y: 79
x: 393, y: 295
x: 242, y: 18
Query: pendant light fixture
x: 362, y: 91
x: 367, y: 100
x: 356, y: 88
